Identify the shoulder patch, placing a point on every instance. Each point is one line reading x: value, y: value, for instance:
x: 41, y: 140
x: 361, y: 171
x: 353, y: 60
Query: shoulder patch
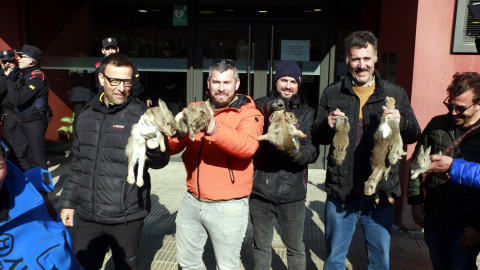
x: 97, y: 64
x: 36, y: 73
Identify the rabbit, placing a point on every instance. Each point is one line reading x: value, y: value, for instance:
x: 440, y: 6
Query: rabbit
x: 341, y: 139
x: 193, y: 119
x: 163, y: 121
x: 386, y: 138
x: 281, y: 131
x: 421, y: 163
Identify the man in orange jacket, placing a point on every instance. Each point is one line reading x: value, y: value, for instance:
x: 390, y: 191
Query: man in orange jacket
x: 219, y: 164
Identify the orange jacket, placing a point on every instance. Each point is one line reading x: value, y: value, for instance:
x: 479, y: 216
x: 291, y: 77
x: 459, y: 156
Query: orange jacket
x: 220, y: 166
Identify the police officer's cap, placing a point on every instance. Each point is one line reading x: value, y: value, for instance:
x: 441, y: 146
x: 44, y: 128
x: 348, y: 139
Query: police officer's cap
x: 7, y: 55
x: 31, y: 51
x: 109, y: 42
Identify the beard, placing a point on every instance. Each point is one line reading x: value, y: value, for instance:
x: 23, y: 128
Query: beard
x: 218, y: 104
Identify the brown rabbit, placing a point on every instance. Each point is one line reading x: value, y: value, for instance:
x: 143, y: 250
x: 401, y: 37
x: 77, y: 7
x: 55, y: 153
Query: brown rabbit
x: 193, y: 119
x: 421, y: 162
x: 282, y: 130
x: 163, y: 121
x: 386, y: 138
x: 340, y: 140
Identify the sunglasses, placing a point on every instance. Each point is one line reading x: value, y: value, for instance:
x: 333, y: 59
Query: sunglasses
x: 458, y: 109
x: 116, y: 82
x: 218, y: 61
x: 8, y: 61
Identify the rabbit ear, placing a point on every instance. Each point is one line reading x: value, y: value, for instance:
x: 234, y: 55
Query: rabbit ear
x: 427, y: 152
x: 162, y: 104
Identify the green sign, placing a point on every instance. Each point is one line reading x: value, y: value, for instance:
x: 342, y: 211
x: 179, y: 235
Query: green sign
x: 180, y: 15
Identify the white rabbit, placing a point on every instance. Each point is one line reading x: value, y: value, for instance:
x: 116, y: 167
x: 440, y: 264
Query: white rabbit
x: 151, y: 125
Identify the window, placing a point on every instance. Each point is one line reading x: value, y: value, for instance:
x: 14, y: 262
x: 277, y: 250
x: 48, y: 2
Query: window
x: 466, y: 29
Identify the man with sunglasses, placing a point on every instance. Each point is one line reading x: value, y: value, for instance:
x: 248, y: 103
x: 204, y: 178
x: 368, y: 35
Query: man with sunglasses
x: 280, y: 185
x: 9, y: 119
x: 449, y: 212
x: 28, y: 90
x: 219, y: 165
x: 109, y: 46
x: 110, y: 212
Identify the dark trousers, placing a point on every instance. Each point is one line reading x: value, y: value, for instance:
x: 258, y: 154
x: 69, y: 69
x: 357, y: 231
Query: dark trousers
x: 445, y: 249
x: 10, y: 123
x: 291, y: 217
x: 29, y: 144
x: 92, y: 240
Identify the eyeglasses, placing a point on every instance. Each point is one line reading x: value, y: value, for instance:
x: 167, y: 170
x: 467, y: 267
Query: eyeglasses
x: 4, y: 149
x: 7, y: 61
x: 218, y: 61
x: 116, y: 82
x: 458, y: 109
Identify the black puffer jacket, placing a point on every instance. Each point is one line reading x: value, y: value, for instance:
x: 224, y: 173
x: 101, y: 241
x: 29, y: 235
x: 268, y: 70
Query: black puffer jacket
x: 349, y: 177
x: 278, y: 178
x: 451, y: 204
x: 97, y: 186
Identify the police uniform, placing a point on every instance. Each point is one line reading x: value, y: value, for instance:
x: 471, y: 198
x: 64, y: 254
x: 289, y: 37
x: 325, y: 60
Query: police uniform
x: 9, y: 118
x: 29, y: 89
x: 137, y: 85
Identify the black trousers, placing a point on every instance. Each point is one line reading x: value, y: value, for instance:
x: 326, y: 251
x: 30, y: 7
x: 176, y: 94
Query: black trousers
x: 10, y: 123
x: 92, y: 240
x: 29, y: 144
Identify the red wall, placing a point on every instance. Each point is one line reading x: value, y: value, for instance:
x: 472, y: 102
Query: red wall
x: 397, y: 35
x: 56, y: 33
x: 421, y: 32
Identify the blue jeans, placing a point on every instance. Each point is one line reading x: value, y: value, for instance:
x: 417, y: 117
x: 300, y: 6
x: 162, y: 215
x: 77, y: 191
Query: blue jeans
x: 225, y: 222
x: 445, y: 249
x: 340, y: 224
x: 291, y: 217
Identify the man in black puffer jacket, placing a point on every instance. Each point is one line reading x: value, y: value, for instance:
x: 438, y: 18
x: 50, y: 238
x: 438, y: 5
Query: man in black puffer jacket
x: 361, y: 97
x: 280, y: 182
x: 110, y: 211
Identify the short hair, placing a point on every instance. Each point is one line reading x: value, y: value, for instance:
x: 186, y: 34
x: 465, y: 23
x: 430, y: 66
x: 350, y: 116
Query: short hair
x: 360, y: 39
x: 222, y: 65
x: 117, y: 60
x: 463, y: 82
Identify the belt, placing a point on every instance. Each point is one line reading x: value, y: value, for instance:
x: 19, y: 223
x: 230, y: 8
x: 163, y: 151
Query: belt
x: 215, y: 201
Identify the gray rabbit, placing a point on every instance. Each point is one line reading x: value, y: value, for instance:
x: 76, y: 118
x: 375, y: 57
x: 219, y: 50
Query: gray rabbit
x: 341, y: 139
x: 421, y: 162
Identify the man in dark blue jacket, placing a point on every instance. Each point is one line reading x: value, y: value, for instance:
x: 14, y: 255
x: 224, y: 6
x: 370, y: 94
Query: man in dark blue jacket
x: 110, y: 211
x: 361, y: 97
x: 280, y: 183
x: 28, y: 90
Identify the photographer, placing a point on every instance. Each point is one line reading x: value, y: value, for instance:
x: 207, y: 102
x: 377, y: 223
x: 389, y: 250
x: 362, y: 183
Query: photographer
x: 9, y: 119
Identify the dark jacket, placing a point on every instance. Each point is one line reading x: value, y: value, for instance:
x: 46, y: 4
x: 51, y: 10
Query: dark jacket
x: 278, y: 178
x: 451, y: 204
x: 96, y: 186
x: 28, y: 91
x: 348, y: 178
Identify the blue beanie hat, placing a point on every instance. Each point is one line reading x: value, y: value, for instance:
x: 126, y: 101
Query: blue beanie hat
x: 290, y: 69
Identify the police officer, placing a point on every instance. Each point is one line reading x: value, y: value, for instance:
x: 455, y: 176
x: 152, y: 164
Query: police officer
x: 9, y: 119
x: 28, y: 89
x: 109, y: 46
